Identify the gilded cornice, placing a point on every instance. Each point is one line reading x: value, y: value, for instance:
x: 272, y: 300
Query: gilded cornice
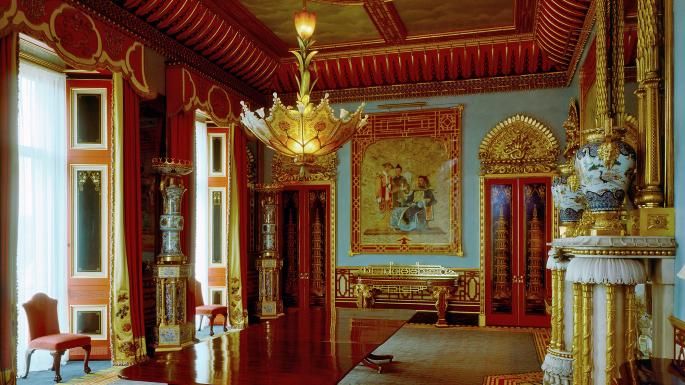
x: 444, y: 88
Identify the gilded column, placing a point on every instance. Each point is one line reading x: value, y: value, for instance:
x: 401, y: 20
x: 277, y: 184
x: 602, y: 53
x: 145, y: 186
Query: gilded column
x: 649, y: 41
x: 586, y: 335
x: 604, y: 271
x: 631, y: 324
x: 558, y: 364
x: 606, y: 162
x: 610, y: 335
x: 577, y: 332
x: 269, y: 263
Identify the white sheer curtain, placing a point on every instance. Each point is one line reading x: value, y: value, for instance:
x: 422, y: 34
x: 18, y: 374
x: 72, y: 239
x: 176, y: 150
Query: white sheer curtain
x: 201, y: 211
x: 42, y: 228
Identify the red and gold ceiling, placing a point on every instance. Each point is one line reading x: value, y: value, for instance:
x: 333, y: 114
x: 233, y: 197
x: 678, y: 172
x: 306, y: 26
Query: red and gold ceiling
x: 382, y: 44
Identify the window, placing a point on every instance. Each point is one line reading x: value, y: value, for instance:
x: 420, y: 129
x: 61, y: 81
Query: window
x: 89, y: 118
x: 89, y: 236
x: 217, y: 226
x: 217, y: 154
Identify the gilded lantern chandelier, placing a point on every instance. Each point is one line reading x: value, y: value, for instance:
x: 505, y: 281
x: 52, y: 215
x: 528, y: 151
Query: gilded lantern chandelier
x: 306, y: 131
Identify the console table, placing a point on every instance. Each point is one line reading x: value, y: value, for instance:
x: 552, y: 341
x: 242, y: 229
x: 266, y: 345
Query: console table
x: 374, y: 279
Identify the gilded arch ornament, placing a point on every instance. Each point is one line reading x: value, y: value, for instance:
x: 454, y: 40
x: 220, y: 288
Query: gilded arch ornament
x: 518, y: 145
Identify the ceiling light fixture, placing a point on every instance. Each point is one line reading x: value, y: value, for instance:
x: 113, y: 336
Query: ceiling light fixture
x: 305, y: 131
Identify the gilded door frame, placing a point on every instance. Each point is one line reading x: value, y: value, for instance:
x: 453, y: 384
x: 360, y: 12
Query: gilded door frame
x: 323, y: 173
x: 519, y: 145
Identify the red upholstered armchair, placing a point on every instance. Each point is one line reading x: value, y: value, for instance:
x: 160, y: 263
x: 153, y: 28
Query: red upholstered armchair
x: 41, y: 312
x: 210, y: 311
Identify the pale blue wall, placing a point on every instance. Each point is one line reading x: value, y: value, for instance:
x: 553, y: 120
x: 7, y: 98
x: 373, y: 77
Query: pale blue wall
x: 481, y: 113
x: 679, y: 132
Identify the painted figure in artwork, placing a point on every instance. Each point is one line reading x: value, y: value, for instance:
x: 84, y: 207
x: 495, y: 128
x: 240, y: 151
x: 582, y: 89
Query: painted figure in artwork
x: 417, y: 210
x: 400, y: 187
x: 384, y: 188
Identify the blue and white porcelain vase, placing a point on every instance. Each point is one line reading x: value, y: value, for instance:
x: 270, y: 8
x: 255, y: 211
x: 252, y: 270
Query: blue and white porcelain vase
x: 568, y: 197
x: 605, y: 169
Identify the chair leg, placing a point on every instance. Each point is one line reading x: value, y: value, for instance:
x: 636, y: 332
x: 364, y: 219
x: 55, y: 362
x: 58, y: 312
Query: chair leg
x: 202, y: 318
x: 211, y: 325
x: 86, y: 368
x: 225, y: 320
x: 57, y: 357
x: 29, y: 352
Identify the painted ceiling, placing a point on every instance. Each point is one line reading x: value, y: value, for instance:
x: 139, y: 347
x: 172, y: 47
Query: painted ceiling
x: 383, y: 43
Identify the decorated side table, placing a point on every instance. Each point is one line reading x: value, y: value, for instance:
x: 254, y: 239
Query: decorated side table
x: 374, y: 279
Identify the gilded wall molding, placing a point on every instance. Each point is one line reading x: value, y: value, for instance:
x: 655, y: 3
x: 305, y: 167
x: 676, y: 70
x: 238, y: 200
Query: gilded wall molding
x: 518, y: 145
x: 443, y: 88
x: 285, y: 171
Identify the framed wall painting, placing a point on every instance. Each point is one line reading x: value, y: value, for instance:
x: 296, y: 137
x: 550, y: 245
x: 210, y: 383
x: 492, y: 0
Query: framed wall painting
x: 406, y: 183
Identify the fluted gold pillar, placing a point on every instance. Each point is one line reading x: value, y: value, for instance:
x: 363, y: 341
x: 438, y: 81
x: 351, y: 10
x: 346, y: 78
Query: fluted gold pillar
x: 558, y: 364
x: 577, y: 332
x: 610, y: 334
x: 631, y: 323
x: 649, y: 41
x: 554, y: 340
x: 586, y: 335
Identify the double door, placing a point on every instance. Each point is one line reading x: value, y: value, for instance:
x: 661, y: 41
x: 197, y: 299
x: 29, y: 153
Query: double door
x: 306, y: 246
x: 518, y: 226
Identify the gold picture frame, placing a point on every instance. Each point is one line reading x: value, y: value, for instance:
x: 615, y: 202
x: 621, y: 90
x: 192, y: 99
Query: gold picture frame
x: 406, y: 183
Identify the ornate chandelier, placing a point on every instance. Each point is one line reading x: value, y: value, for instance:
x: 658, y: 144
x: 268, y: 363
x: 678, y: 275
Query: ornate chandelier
x: 305, y: 131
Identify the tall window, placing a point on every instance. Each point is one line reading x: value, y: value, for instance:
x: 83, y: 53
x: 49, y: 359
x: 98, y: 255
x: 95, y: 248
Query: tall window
x: 201, y: 205
x: 42, y: 230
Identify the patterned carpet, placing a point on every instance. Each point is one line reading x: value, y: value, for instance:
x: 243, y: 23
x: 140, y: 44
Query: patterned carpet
x: 459, y: 355
x: 534, y: 378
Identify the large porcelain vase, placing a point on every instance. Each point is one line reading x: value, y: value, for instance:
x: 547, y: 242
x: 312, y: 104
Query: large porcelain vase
x: 605, y: 170
x: 568, y: 200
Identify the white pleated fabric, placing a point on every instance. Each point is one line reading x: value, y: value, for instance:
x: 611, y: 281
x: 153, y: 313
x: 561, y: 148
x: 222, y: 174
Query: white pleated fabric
x: 606, y: 271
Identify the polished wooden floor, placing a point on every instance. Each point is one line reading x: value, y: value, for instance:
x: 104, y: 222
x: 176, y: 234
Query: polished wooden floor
x: 304, y: 347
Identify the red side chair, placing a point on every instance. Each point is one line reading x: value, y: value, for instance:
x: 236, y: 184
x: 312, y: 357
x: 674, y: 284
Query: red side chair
x: 210, y: 311
x: 41, y: 312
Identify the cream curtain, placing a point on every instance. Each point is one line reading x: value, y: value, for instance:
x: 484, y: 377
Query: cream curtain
x: 201, y: 212
x: 237, y: 314
x: 126, y: 348
x: 42, y: 231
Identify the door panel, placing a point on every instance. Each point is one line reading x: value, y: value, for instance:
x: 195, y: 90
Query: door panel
x: 306, y: 248
x: 317, y: 241
x: 517, y: 230
x: 291, y: 247
x: 536, y: 232
x: 501, y: 241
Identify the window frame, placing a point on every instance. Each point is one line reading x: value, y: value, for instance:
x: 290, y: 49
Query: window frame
x: 104, y: 119
x: 104, y: 220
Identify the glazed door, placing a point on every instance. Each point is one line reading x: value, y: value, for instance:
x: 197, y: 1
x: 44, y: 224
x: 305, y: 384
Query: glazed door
x: 518, y: 226
x: 306, y: 211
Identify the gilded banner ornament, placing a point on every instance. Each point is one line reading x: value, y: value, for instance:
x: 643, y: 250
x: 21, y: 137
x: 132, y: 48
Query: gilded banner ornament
x: 518, y: 145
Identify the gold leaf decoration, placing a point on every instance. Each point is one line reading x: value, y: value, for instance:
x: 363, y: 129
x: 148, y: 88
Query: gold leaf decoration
x: 324, y: 168
x: 518, y: 145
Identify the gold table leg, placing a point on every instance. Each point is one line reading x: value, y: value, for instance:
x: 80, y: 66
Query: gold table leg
x: 440, y: 295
